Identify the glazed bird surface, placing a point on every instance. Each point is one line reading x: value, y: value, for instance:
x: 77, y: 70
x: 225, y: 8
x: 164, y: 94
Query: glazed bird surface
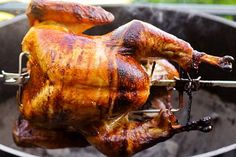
x: 87, y: 86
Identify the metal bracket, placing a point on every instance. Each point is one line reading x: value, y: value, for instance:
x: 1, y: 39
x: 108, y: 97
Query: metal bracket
x: 17, y: 79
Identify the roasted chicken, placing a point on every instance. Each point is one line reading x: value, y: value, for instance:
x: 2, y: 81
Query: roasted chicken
x: 27, y: 135
x: 87, y: 86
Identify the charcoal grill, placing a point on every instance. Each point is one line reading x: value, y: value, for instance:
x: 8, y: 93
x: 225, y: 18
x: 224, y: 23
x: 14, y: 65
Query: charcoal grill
x: 205, y: 32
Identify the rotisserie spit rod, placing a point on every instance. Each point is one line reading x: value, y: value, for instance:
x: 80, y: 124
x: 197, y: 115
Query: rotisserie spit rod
x: 195, y: 83
x: 19, y: 79
x: 186, y: 85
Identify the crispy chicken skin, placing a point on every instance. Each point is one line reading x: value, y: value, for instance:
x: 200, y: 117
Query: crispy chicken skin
x: 27, y: 135
x: 90, y: 84
x: 124, y: 136
x: 85, y: 78
x: 76, y: 17
x: 72, y: 64
x: 121, y: 137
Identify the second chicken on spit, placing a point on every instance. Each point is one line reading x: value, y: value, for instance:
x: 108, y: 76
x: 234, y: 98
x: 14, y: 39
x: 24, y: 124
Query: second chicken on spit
x: 87, y: 86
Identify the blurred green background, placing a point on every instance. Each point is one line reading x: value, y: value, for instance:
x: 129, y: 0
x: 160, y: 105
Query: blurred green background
x: 191, y: 1
x: 223, y: 8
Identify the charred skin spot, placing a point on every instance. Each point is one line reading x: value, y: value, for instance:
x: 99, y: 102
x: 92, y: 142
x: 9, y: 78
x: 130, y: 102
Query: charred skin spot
x: 112, y: 72
x: 77, y: 12
x: 116, y: 140
x: 25, y: 134
x: 132, y: 35
x: 197, y: 59
x: 91, y: 14
x: 35, y: 10
x: 123, y: 150
x: 132, y: 80
x: 37, y: 13
x: 131, y: 76
x: 123, y: 102
x: 80, y: 14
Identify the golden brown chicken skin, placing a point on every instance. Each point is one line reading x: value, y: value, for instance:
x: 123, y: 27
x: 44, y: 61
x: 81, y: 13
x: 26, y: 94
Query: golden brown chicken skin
x: 86, y: 79
x: 128, y: 134
x: 121, y: 137
x: 76, y: 17
x: 92, y: 77
x: 91, y: 84
x: 26, y: 134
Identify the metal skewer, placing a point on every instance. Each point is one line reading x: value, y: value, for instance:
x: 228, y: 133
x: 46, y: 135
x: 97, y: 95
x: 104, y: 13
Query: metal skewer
x: 198, y: 83
x: 152, y: 111
x: 218, y: 83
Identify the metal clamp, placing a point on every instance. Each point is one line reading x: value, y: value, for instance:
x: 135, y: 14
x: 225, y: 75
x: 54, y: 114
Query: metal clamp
x: 16, y: 79
x: 19, y: 78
